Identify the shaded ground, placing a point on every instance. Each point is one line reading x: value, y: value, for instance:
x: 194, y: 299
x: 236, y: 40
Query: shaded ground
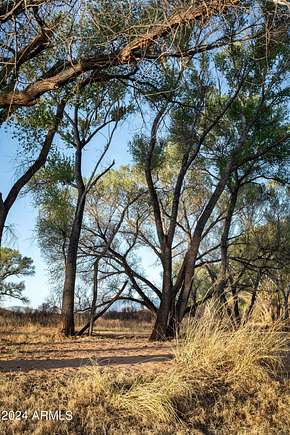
x: 107, y: 349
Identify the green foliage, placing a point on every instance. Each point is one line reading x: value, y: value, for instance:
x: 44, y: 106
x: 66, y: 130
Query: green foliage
x: 140, y: 148
x: 56, y: 211
x: 53, y: 178
x: 59, y: 169
x: 13, y: 265
x: 29, y: 125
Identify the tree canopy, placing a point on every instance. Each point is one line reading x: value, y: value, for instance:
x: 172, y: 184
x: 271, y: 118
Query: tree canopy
x: 205, y: 196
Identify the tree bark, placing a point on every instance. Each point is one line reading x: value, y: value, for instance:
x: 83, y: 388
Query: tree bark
x: 286, y: 303
x: 190, y: 259
x: 3, y: 216
x: 223, y: 275
x: 95, y: 295
x: 172, y: 329
x: 254, y: 296
x: 236, y: 310
x: 159, y: 331
x: 68, y: 327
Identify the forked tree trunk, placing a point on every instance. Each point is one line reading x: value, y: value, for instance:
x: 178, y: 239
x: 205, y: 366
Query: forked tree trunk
x: 190, y: 259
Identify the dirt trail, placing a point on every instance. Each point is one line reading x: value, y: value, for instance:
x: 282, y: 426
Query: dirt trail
x: 127, y: 352
x: 130, y: 352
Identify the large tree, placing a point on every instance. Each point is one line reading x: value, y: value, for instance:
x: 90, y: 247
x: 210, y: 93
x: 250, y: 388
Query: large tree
x: 47, y: 44
x: 236, y: 128
x: 218, y: 108
x: 87, y: 120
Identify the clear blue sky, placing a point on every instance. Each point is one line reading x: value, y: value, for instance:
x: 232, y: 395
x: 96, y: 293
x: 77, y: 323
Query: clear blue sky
x: 23, y: 215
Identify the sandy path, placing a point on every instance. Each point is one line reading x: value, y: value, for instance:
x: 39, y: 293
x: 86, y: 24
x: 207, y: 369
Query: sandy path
x: 120, y: 351
x: 123, y: 351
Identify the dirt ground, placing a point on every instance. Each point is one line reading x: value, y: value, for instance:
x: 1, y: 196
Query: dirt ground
x: 41, y: 370
x: 30, y: 352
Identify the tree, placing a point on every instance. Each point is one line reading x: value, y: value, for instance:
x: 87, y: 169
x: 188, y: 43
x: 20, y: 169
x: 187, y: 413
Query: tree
x: 266, y: 251
x: 44, y: 46
x: 87, y: 118
x: 59, y: 43
x: 229, y: 133
x: 111, y: 204
x: 40, y: 37
x: 220, y: 112
x: 7, y: 203
x: 224, y: 141
x: 13, y: 265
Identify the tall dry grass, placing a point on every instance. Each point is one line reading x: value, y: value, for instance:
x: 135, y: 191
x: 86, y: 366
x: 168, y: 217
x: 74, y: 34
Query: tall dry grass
x: 40, y: 321
x: 212, y: 359
x: 222, y: 381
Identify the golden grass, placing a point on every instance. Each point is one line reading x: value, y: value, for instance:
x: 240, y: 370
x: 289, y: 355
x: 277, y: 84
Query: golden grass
x: 19, y: 330
x: 223, y: 380
x: 34, y: 333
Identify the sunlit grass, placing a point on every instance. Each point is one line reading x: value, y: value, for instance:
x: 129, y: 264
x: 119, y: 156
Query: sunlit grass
x: 222, y: 379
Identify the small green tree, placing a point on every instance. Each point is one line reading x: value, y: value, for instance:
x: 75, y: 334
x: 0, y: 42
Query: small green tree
x: 13, y: 265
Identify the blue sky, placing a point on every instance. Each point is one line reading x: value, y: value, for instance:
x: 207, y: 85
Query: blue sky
x: 22, y: 217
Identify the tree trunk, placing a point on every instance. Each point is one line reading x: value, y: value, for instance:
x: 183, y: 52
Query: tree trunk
x: 160, y: 327
x: 254, y: 297
x: 188, y: 278
x: 95, y: 295
x: 236, y: 311
x: 286, y: 303
x: 190, y: 259
x: 3, y: 216
x: 172, y: 329
x: 68, y: 327
x: 223, y: 275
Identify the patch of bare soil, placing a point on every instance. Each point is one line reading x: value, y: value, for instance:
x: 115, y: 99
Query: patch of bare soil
x: 118, y: 350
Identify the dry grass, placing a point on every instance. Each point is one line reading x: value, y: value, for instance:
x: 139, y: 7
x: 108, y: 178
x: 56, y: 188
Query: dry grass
x: 15, y: 332
x: 222, y: 380
x: 39, y: 327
